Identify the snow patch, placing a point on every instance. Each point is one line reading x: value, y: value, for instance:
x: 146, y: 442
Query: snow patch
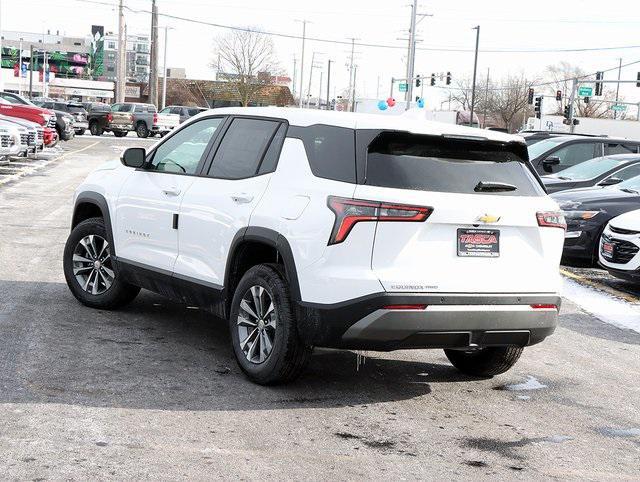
x: 532, y: 383
x: 603, y: 306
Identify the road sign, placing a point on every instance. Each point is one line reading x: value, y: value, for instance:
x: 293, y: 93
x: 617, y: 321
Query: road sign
x: 619, y: 107
x: 585, y: 91
x: 403, y: 87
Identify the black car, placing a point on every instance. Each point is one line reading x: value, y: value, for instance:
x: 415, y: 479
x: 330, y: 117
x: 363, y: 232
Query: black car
x: 555, y: 154
x: 601, y: 171
x: 587, y: 212
x: 74, y: 109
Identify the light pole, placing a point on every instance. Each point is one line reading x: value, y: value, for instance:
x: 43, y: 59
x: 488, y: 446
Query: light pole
x: 475, y: 70
x: 164, y: 67
x: 304, y: 36
x: 615, y: 112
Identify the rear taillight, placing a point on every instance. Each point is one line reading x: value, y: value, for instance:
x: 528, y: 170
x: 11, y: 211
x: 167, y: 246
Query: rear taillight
x: 348, y: 212
x: 551, y: 219
x: 544, y: 306
x: 109, y: 117
x: 155, y: 118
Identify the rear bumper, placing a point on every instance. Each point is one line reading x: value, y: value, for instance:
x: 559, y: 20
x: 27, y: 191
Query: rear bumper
x: 448, y: 321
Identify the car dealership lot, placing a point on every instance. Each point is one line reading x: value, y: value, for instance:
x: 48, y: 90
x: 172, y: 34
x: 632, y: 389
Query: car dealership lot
x: 153, y: 391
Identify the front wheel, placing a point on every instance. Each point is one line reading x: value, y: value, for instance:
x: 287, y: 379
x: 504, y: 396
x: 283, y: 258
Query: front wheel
x: 484, y: 362
x: 142, y: 131
x: 263, y: 326
x: 120, y: 133
x: 89, y: 268
x: 80, y: 132
x: 95, y: 129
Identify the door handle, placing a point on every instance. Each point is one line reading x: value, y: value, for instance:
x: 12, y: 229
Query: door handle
x: 242, y: 198
x: 171, y: 191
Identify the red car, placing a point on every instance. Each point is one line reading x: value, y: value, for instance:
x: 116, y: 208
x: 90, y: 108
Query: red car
x: 44, y: 117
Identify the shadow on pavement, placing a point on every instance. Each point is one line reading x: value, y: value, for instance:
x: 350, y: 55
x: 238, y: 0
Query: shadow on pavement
x: 156, y: 354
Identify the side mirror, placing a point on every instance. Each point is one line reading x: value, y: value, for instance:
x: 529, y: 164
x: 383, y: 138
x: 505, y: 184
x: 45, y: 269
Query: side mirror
x: 610, y: 181
x: 549, y: 162
x: 134, y: 157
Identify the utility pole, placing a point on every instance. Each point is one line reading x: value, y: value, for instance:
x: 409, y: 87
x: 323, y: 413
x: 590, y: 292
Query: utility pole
x: 615, y: 112
x: 475, y: 70
x: 328, y: 81
x: 164, y: 69
x: 412, y: 54
x: 351, y: 72
x: 304, y: 37
x: 122, y: 55
x: 153, y: 75
x: 353, y: 96
x: 320, y: 90
x: 572, y: 98
x: 293, y: 81
x: 486, y: 101
x: 30, y: 72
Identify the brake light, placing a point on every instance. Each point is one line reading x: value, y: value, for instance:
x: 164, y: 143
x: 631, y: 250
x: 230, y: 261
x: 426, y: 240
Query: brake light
x: 155, y: 118
x: 109, y: 117
x: 404, y: 307
x: 551, y: 219
x: 349, y: 212
x: 543, y: 306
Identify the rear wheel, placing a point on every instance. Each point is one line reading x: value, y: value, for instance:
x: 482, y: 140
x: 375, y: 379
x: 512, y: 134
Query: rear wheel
x: 120, y: 133
x: 80, y: 132
x: 142, y: 131
x: 485, y: 362
x: 95, y: 129
x: 89, y: 268
x: 264, y: 330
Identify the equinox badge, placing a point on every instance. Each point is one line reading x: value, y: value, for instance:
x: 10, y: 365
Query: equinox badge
x: 488, y: 218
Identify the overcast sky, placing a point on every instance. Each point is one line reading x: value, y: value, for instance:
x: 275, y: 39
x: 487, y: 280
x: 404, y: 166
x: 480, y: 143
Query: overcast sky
x: 505, y: 25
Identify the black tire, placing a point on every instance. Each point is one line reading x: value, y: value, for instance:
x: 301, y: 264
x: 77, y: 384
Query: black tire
x: 485, y: 362
x: 118, y: 294
x: 289, y: 355
x: 120, y: 133
x: 80, y: 132
x: 142, y: 131
x: 95, y: 129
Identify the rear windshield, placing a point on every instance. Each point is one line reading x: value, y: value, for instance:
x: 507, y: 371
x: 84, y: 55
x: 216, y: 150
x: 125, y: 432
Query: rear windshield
x: 430, y: 163
x: 75, y: 108
x: 100, y: 107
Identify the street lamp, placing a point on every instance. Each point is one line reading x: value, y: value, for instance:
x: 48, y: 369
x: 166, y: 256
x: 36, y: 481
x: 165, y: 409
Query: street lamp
x: 164, y: 65
x: 475, y: 69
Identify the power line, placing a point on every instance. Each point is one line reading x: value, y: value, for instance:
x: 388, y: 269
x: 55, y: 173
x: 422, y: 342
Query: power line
x: 365, y: 44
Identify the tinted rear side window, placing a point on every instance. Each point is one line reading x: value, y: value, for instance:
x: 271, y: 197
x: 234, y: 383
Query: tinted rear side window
x: 331, y: 151
x: 429, y: 163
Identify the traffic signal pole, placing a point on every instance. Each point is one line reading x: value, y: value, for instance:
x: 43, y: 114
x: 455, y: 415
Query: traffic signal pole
x: 572, y: 98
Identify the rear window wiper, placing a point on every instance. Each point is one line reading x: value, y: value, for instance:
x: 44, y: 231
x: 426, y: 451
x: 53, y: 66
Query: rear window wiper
x: 485, y: 186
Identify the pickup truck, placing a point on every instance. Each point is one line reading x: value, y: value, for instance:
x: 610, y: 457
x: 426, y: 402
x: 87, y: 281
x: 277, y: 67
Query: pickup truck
x: 43, y: 117
x: 144, y: 119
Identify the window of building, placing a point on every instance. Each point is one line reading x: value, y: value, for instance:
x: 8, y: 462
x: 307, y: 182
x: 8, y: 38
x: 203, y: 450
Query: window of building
x: 111, y: 45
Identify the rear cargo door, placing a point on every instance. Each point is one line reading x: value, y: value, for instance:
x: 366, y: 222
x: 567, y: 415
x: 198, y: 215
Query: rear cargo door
x: 482, y: 235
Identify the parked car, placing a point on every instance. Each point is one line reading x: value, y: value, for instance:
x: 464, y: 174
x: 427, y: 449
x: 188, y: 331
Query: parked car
x: 620, y: 246
x: 9, y: 139
x: 555, y: 154
x: 144, y: 119
x: 312, y: 228
x: 601, y: 171
x: 74, y: 109
x: 35, y: 133
x: 43, y: 117
x: 99, y: 118
x: 587, y: 211
x: 185, y: 112
x: 531, y: 137
x: 64, y: 125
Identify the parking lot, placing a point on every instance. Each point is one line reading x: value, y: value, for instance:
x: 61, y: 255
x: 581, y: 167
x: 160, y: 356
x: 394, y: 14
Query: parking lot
x: 153, y: 391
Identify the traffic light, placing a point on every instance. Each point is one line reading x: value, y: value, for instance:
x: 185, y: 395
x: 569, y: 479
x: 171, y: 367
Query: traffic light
x: 567, y: 111
x: 559, y: 95
x: 599, y: 76
x: 433, y: 79
x: 418, y: 81
x: 449, y: 78
x: 586, y: 100
x: 537, y: 107
x: 530, y: 97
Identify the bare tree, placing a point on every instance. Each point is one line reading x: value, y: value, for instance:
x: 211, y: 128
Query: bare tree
x: 249, y: 59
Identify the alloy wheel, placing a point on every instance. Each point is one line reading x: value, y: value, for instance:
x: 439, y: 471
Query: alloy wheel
x: 92, y: 264
x: 257, y: 323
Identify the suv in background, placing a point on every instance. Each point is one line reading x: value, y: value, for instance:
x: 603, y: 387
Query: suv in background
x: 314, y: 228
x: 143, y: 119
x: 75, y: 109
x: 185, y: 112
x: 558, y: 153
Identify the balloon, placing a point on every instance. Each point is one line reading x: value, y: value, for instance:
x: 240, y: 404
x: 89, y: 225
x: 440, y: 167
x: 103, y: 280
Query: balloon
x: 391, y: 102
x: 421, y: 103
x: 382, y: 105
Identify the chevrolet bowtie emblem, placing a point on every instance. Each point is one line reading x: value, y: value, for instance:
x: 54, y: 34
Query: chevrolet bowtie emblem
x: 487, y: 218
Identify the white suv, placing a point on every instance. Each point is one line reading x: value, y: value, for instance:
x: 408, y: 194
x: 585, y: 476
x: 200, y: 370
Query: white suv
x: 310, y: 228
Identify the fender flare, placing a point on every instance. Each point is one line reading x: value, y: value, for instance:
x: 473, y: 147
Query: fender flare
x: 98, y: 200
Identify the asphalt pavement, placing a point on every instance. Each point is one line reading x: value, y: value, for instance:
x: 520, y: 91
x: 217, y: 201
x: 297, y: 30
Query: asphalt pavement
x: 153, y: 392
